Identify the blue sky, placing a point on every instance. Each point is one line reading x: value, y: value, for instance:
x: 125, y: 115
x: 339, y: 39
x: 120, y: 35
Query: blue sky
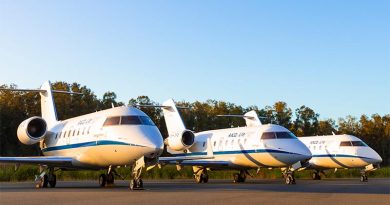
x: 333, y: 56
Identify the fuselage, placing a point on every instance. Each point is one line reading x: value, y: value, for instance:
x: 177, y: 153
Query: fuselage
x: 339, y: 151
x: 113, y: 137
x: 250, y: 147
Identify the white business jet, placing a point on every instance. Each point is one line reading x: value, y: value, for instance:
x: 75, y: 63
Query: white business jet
x: 252, y: 147
x: 104, y: 140
x: 340, y: 151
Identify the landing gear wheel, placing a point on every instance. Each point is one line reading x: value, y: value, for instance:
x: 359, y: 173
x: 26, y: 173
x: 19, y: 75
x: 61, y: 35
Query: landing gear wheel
x: 53, y: 181
x: 136, y: 184
x: 43, y: 182
x: 236, y: 178
x: 110, y: 178
x: 204, y: 177
x: 289, y: 179
x: 316, y: 176
x: 102, y: 180
x: 364, y: 178
x: 198, y: 178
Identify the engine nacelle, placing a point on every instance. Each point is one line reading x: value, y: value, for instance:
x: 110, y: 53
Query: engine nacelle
x: 32, y: 130
x: 181, y: 141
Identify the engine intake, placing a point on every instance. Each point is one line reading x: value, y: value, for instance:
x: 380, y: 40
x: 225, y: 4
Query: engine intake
x: 180, y: 141
x: 32, y: 130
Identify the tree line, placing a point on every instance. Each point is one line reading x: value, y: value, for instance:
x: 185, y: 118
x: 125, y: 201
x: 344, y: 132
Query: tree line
x: 303, y: 121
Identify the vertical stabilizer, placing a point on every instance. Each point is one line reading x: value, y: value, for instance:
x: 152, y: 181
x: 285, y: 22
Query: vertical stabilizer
x: 48, y: 109
x: 251, y: 119
x: 172, y: 117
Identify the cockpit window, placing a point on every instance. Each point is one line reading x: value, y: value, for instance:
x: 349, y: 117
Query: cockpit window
x: 345, y: 143
x: 128, y: 120
x: 285, y: 135
x: 358, y: 144
x: 278, y: 135
x: 112, y: 121
x: 268, y: 135
x: 146, y: 120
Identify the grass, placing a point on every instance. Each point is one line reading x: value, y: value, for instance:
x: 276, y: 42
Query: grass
x: 28, y: 172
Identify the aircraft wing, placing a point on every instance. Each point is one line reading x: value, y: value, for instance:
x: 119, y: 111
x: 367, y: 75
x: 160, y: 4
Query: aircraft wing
x: 51, y: 161
x: 205, y: 163
x: 183, y: 158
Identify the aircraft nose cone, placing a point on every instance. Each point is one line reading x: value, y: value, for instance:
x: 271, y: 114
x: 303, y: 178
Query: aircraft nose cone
x: 377, y: 159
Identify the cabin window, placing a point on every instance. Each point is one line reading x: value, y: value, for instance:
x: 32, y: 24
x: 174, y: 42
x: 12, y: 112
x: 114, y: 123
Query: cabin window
x: 215, y: 143
x: 112, y: 121
x: 226, y: 143
x: 345, y: 143
x: 238, y: 142
x: 245, y: 141
x: 78, y: 132
x: 232, y: 142
x: 204, y: 144
x: 70, y: 132
x: 74, y: 132
x: 358, y: 143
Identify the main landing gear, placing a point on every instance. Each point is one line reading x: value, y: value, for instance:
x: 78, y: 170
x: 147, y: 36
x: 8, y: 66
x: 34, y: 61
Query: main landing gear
x: 239, y: 177
x: 46, y: 179
x: 200, y: 174
x: 106, y: 179
x: 316, y: 175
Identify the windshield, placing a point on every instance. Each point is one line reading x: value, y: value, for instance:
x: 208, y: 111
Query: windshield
x: 128, y: 120
x: 278, y: 135
x: 352, y: 143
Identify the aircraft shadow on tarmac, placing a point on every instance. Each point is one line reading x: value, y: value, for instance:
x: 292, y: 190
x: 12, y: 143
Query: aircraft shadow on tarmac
x: 374, y: 186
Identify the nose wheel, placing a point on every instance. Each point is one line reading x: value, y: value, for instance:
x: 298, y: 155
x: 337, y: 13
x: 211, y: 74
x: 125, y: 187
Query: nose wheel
x: 289, y: 177
x: 363, y: 176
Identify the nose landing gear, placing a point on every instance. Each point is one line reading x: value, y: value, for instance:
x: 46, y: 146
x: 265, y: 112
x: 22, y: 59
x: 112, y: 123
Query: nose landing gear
x: 289, y: 177
x: 363, y: 176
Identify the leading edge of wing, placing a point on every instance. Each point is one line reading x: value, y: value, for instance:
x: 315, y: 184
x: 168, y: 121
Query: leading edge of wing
x: 58, y: 160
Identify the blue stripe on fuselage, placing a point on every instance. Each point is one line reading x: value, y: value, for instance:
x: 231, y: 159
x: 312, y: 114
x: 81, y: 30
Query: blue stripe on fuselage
x: 339, y: 155
x: 87, y: 144
x: 237, y: 152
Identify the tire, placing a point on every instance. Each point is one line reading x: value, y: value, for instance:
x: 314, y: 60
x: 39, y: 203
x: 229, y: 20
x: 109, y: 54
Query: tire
x: 132, y: 184
x: 205, y: 178
x: 102, y: 180
x: 45, y: 181
x: 140, y: 184
x: 110, y: 178
x: 236, y: 178
x: 198, y: 179
x: 287, y: 180
x: 53, y: 181
x: 314, y: 176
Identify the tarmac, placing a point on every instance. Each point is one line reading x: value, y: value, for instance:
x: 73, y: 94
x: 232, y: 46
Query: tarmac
x: 175, y: 192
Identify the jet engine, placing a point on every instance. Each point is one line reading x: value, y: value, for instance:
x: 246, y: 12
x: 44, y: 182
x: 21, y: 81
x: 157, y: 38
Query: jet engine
x: 32, y: 130
x: 181, y: 141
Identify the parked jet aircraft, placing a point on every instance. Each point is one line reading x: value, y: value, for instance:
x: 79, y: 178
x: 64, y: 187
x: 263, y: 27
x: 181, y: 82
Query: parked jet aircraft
x: 120, y: 136
x: 253, y: 147
x: 340, y: 151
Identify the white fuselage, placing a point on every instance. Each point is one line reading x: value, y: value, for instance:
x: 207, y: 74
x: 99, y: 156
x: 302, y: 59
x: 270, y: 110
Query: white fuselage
x: 339, y: 151
x: 91, y: 143
x: 243, y: 147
